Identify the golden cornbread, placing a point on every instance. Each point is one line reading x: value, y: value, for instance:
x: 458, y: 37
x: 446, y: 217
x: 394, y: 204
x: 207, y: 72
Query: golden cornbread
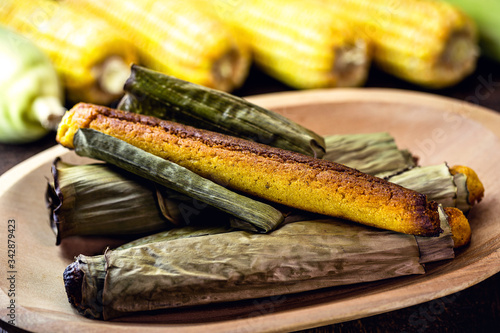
x: 474, y: 185
x: 460, y: 227
x: 274, y: 174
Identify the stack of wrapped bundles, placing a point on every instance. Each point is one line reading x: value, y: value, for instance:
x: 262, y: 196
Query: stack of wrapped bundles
x: 271, y: 221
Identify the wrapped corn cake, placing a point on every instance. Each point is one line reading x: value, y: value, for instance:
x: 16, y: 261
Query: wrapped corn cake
x: 273, y: 174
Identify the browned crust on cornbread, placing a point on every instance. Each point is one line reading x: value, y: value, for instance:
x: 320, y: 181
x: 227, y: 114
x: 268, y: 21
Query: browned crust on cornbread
x: 275, y: 174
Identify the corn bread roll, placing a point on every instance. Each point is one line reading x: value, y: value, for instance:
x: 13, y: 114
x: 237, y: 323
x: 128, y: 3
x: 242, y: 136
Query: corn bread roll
x: 277, y: 175
x: 460, y: 227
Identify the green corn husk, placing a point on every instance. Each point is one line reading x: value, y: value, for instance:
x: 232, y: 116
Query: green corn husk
x: 237, y: 265
x: 371, y: 153
x: 165, y: 97
x: 256, y: 215
x: 102, y: 200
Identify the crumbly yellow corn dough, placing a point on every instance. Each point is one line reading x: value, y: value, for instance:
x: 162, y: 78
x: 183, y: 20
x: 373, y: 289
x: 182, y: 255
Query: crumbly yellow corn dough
x: 273, y: 174
x: 460, y: 227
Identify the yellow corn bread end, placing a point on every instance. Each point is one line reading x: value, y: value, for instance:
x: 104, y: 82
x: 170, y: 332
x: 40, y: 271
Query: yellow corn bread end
x: 474, y: 184
x: 71, y: 122
x: 460, y: 227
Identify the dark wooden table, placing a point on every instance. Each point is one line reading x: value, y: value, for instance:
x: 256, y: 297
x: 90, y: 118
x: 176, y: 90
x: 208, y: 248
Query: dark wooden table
x: 476, y: 309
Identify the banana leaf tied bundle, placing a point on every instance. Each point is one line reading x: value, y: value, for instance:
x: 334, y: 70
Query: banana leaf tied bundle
x: 378, y: 154
x: 191, y: 266
x: 188, y: 266
x: 156, y: 94
x: 103, y: 200
x: 372, y: 153
x: 96, y: 200
x: 268, y: 173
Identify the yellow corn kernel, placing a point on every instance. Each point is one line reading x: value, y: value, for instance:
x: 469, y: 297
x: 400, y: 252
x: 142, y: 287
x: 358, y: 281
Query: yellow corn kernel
x: 426, y: 42
x: 176, y: 38
x: 298, y: 42
x: 93, y: 61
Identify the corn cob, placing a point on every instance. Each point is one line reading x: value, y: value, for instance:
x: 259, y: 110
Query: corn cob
x: 485, y: 14
x: 298, y: 42
x: 426, y: 42
x: 31, y: 97
x: 92, y: 61
x: 176, y: 38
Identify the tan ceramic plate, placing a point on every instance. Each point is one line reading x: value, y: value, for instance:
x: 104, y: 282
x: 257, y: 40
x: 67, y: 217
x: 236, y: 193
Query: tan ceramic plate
x: 434, y: 128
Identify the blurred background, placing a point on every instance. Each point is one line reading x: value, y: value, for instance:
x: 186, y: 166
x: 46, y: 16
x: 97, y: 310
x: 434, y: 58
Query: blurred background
x: 58, y: 53
x: 55, y: 54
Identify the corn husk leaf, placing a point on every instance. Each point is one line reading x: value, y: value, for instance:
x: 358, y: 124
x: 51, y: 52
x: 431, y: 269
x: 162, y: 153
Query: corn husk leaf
x: 176, y: 233
x: 209, y: 266
x: 95, y: 199
x: 372, y: 153
x: 435, y: 181
x: 94, y: 144
x: 166, y: 97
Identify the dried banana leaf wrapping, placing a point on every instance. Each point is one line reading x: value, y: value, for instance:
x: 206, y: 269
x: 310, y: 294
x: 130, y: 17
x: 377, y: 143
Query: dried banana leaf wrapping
x: 240, y: 265
x: 371, y: 153
x: 435, y: 181
x: 443, y: 184
x: 103, y: 200
x: 176, y: 233
x: 156, y: 94
x: 96, y: 200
